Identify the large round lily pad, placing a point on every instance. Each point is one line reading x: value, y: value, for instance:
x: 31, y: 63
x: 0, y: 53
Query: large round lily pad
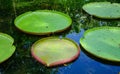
x: 53, y: 51
x: 6, y: 47
x: 42, y: 22
x: 103, y: 42
x: 104, y: 10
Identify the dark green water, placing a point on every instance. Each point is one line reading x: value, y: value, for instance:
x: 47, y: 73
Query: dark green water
x: 22, y: 62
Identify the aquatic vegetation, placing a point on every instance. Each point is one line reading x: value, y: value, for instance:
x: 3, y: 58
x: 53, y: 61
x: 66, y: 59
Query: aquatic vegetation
x: 103, y: 42
x: 43, y: 22
x: 53, y: 51
x: 105, y: 10
x: 22, y: 62
x: 6, y: 47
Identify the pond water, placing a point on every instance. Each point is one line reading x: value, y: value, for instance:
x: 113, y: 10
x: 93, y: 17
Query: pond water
x: 22, y: 62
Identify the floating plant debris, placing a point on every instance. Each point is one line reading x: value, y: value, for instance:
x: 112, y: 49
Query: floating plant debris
x: 53, y: 51
x: 105, y: 10
x: 42, y: 22
x: 103, y: 42
x: 6, y: 47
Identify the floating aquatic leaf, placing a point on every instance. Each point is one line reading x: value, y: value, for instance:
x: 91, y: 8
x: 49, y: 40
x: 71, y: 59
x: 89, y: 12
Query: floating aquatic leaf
x: 54, y: 51
x: 103, y: 42
x: 42, y: 22
x: 104, y: 10
x: 6, y: 47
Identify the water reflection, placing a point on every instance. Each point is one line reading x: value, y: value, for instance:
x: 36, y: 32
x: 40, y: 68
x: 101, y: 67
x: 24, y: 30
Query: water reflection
x: 23, y: 63
x: 86, y: 64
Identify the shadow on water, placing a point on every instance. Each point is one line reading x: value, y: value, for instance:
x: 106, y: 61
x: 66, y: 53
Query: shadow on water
x: 21, y: 62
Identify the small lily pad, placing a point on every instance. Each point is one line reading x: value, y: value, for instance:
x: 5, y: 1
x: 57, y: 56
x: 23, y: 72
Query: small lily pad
x: 42, y: 22
x: 53, y: 51
x: 6, y: 47
x: 105, y: 10
x: 103, y: 42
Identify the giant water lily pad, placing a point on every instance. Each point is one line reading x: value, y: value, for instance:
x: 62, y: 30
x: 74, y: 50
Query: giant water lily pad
x: 53, y: 51
x: 6, y: 47
x: 105, y: 10
x: 42, y: 22
x: 103, y: 42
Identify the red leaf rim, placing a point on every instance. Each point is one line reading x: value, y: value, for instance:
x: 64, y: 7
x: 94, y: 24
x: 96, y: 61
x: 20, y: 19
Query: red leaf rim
x: 58, y: 62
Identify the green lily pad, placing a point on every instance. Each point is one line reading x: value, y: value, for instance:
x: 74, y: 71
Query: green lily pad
x: 103, y: 42
x: 53, y: 51
x: 104, y: 10
x: 6, y: 47
x: 42, y: 22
